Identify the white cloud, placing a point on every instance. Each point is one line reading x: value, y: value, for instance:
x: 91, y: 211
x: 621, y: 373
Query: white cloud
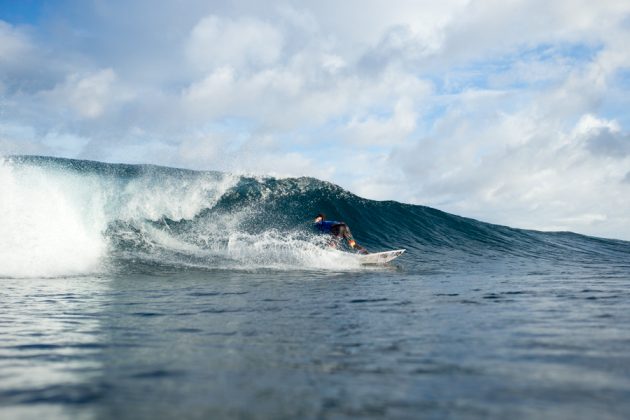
x: 252, y: 155
x: 20, y: 139
x: 389, y: 130
x: 64, y: 144
x: 14, y: 43
x: 201, y: 151
x: 292, y: 164
x: 243, y: 42
x: 491, y: 27
x: 87, y: 95
x: 602, y: 137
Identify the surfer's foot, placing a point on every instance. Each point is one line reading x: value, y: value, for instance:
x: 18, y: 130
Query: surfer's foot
x: 358, y: 248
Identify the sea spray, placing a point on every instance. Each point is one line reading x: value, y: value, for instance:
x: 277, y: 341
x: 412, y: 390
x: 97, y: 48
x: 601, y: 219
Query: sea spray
x: 50, y: 222
x: 56, y: 212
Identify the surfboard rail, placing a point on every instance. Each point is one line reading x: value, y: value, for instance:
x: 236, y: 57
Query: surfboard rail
x: 381, y: 257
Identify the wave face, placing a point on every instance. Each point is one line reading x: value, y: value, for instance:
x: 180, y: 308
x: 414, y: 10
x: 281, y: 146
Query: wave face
x: 65, y: 217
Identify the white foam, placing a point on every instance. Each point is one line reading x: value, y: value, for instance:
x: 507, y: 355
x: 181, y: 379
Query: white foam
x: 50, y: 223
x: 52, y: 219
x: 285, y: 250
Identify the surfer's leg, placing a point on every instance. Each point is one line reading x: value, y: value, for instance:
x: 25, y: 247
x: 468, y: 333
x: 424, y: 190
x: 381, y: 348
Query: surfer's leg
x: 338, y: 231
x: 347, y: 235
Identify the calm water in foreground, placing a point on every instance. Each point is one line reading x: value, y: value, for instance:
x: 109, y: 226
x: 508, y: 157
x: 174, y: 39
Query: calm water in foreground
x: 278, y: 344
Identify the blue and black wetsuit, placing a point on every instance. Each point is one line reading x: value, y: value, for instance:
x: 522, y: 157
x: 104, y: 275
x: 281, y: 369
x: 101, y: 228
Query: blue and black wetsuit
x: 326, y: 226
x: 338, y: 230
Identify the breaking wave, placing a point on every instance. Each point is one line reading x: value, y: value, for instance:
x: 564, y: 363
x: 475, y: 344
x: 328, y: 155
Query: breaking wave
x: 72, y: 217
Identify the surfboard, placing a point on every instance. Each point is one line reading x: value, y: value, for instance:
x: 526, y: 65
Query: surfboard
x: 380, y: 257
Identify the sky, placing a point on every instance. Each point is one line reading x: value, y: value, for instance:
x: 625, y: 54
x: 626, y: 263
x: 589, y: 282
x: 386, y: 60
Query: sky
x: 511, y: 112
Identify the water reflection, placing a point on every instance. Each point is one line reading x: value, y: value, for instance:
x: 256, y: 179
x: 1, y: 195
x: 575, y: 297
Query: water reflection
x: 50, y: 335
x: 272, y: 345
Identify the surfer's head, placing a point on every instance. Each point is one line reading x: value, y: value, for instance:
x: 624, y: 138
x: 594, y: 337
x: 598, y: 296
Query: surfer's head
x: 320, y: 218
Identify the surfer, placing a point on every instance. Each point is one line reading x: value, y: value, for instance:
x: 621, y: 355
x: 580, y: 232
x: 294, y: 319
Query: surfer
x: 339, y: 230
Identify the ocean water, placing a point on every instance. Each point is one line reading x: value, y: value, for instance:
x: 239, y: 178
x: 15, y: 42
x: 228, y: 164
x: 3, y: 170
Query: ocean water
x: 136, y: 292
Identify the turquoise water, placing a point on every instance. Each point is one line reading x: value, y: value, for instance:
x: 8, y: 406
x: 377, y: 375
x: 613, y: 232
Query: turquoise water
x: 147, y: 292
